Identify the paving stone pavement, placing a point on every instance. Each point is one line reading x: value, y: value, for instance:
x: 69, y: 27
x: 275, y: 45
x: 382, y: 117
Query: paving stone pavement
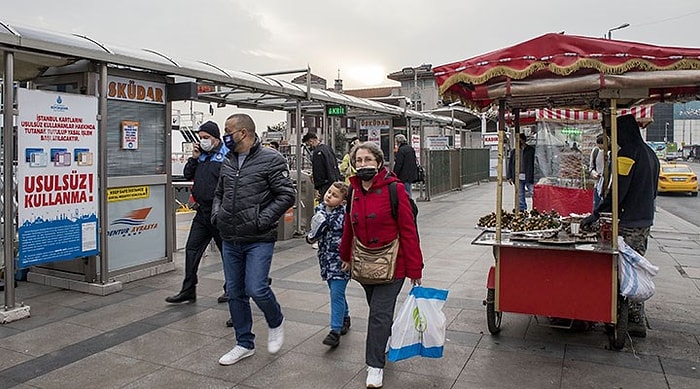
x: 133, y: 339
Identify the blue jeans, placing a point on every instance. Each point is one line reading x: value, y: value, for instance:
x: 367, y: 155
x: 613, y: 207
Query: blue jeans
x: 339, y: 305
x: 407, y: 185
x: 246, y: 268
x: 524, y: 187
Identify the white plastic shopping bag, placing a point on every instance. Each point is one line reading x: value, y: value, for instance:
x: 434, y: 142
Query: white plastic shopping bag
x: 419, y: 328
x: 635, y: 273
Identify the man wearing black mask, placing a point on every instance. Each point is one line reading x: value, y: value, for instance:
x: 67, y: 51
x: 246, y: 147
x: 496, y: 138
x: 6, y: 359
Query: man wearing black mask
x: 324, y: 167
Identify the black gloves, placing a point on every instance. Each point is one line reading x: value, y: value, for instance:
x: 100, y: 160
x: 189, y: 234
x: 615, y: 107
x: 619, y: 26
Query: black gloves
x: 587, y: 222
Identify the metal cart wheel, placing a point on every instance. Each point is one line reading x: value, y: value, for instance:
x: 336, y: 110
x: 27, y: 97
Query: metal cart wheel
x: 493, y: 317
x: 618, y: 335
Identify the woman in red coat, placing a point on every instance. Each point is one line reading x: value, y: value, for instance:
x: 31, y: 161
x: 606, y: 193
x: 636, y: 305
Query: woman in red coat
x: 371, y: 222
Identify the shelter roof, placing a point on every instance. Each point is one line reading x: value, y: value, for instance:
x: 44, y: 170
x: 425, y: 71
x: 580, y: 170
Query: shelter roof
x: 37, y: 50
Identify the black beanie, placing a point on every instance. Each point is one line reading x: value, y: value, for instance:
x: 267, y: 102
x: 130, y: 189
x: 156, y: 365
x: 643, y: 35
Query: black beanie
x: 210, y: 128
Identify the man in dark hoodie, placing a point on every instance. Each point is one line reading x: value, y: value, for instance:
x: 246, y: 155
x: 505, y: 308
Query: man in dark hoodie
x: 638, y: 177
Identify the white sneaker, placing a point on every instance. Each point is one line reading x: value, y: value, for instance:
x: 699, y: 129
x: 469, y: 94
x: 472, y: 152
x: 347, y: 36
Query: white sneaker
x: 235, y: 355
x: 275, y: 338
x: 315, y: 246
x: 375, y: 376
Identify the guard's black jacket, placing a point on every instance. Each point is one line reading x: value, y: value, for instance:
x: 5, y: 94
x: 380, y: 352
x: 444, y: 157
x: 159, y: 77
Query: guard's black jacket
x: 205, y: 173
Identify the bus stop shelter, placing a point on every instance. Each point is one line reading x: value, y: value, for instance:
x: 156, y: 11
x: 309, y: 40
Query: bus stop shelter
x: 89, y: 125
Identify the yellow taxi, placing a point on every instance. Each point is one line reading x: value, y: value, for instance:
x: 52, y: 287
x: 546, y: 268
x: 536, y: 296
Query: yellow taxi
x: 677, y: 177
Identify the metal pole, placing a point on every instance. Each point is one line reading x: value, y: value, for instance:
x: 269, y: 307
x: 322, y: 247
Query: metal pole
x: 517, y: 159
x: 415, y: 88
x: 328, y: 129
x: 426, y: 161
x: 392, y: 145
x: 102, y: 174
x: 298, y: 158
x: 499, y: 167
x: 613, y: 148
x: 8, y: 164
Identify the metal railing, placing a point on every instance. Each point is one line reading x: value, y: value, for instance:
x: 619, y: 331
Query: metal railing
x: 449, y: 170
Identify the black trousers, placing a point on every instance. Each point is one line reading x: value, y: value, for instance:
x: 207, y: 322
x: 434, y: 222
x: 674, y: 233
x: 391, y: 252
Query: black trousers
x: 382, y: 302
x: 201, y: 233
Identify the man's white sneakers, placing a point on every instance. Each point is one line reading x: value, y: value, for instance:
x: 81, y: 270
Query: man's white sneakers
x: 235, y: 355
x: 275, y: 338
x: 375, y: 377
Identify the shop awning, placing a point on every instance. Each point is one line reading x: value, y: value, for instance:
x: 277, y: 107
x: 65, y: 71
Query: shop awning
x: 643, y: 113
x: 557, y: 70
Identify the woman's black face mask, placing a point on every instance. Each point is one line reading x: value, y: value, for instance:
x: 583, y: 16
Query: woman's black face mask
x: 367, y: 173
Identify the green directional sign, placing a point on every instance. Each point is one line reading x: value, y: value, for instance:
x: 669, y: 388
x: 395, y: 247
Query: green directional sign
x: 335, y: 110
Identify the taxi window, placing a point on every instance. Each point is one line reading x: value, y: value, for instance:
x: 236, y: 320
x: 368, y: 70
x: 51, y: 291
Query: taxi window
x: 676, y: 169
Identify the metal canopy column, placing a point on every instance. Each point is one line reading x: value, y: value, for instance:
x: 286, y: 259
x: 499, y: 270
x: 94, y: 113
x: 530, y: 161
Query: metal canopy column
x: 10, y: 311
x: 102, y: 173
x: 298, y: 163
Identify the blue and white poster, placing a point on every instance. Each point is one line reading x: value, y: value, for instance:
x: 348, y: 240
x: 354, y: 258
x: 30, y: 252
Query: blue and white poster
x: 56, y: 176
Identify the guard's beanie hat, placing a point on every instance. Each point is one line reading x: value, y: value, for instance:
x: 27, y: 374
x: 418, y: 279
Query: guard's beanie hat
x: 210, y: 128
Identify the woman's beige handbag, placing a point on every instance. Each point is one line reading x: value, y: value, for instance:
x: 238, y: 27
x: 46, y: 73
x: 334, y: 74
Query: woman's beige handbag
x: 374, y: 265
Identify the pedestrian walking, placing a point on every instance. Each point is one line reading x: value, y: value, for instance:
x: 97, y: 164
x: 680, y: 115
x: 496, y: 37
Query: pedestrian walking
x: 597, y: 167
x: 346, y: 168
x: 372, y: 223
x: 324, y: 167
x: 327, y: 229
x: 526, y: 176
x: 254, y: 191
x: 203, y: 168
x: 405, y: 163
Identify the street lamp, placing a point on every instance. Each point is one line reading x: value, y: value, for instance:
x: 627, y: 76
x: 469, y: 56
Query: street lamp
x: 620, y: 27
x: 415, y: 96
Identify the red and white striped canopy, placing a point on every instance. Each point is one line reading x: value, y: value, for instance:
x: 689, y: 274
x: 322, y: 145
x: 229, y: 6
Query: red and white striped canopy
x: 643, y: 113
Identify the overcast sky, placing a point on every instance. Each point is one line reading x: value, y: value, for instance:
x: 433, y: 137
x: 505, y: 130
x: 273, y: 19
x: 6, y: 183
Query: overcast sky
x: 364, y: 39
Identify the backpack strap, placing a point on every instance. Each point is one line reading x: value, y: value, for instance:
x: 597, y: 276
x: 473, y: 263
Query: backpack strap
x: 348, y: 204
x: 394, y: 199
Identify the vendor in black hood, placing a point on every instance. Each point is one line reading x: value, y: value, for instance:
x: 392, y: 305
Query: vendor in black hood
x: 637, y: 178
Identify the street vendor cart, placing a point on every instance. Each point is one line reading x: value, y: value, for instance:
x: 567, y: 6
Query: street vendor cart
x: 543, y: 272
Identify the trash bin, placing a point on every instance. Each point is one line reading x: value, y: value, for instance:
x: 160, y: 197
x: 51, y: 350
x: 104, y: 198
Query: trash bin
x: 285, y: 228
x: 305, y: 191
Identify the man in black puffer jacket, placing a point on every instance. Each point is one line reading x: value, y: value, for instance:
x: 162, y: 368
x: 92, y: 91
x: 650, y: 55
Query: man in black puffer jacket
x: 254, y: 191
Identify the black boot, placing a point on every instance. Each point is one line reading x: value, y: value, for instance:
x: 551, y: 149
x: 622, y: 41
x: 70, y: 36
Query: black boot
x: 189, y: 296
x: 332, y: 339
